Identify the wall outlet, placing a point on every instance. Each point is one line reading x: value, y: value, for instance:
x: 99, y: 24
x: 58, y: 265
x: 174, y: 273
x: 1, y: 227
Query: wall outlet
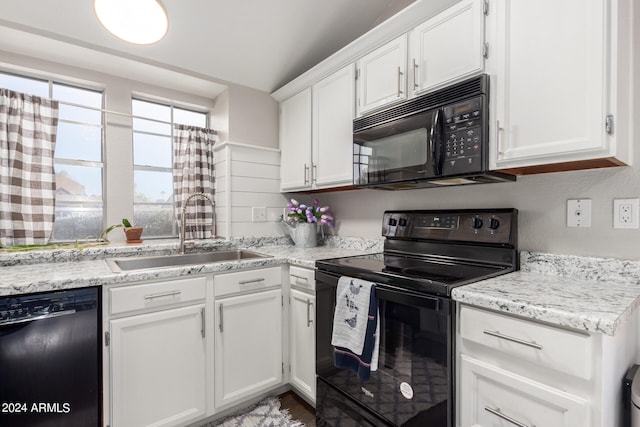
x: 625, y: 213
x: 579, y: 213
x: 259, y: 214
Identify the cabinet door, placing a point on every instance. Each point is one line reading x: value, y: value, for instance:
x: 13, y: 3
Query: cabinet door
x: 382, y: 76
x: 448, y: 47
x: 248, y: 346
x: 493, y: 397
x: 158, y: 368
x: 295, y: 142
x: 550, y: 81
x: 303, y: 343
x: 333, y: 105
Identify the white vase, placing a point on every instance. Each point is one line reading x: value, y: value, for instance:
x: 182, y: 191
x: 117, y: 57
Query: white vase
x: 305, y: 234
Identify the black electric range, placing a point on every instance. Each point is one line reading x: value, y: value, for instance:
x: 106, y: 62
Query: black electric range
x: 426, y: 254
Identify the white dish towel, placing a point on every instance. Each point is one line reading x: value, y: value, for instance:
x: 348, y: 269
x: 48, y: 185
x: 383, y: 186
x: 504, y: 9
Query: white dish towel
x: 351, y: 313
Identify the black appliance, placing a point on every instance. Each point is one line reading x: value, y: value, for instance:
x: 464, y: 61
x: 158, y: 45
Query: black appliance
x: 441, y: 138
x: 51, y: 359
x: 426, y: 254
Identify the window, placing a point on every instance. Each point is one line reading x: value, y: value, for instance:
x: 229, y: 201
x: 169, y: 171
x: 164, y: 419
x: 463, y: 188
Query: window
x: 152, y: 163
x: 78, y: 154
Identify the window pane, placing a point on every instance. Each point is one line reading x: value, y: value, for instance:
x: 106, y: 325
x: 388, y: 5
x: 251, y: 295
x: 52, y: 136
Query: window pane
x: 79, y: 142
x: 79, y: 114
x: 187, y: 117
x: 90, y: 98
x: 77, y: 221
x: 78, y: 183
x: 151, y: 110
x: 157, y: 220
x: 143, y: 125
x: 25, y: 85
x: 151, y: 150
x: 152, y: 187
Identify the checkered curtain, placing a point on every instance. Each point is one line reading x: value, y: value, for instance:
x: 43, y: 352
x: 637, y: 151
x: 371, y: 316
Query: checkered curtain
x: 193, y: 173
x: 28, y: 126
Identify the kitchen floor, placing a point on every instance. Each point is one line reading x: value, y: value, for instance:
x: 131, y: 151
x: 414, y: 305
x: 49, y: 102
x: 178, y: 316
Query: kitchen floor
x: 298, y: 408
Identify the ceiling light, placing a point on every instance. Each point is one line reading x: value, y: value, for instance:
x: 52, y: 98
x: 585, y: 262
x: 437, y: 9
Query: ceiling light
x: 134, y: 21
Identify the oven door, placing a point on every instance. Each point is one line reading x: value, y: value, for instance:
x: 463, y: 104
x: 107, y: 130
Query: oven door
x: 413, y: 383
x: 405, y: 149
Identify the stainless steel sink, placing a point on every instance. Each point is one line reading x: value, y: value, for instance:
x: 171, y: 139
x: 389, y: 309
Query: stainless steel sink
x: 119, y: 265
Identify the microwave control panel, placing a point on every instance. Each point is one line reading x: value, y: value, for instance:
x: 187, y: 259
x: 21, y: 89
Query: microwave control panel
x: 463, y: 137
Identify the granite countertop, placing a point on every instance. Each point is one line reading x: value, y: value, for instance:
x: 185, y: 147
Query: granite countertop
x: 590, y: 294
x: 64, y: 269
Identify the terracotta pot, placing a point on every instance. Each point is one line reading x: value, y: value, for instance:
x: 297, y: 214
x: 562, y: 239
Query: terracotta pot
x: 133, y: 234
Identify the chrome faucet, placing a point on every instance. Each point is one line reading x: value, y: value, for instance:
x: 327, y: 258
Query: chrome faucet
x: 184, y: 214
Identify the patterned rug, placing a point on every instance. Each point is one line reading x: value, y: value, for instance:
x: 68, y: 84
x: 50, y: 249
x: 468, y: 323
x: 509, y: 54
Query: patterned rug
x: 267, y: 413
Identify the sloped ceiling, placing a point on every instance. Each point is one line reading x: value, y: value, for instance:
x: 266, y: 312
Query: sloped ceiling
x: 261, y: 44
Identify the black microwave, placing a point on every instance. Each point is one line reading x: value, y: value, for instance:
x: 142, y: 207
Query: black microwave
x: 440, y: 138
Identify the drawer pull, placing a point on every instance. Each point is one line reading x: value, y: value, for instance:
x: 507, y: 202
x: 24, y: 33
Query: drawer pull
x: 497, y: 334
x: 247, y: 282
x: 499, y: 414
x: 299, y: 278
x: 162, y: 294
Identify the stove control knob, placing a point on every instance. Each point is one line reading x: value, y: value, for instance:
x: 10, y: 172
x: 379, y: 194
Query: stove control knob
x: 494, y: 223
x: 402, y: 222
x: 477, y: 223
x: 393, y: 222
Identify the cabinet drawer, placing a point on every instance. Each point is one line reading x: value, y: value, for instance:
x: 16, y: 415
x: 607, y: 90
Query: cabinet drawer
x: 555, y: 348
x: 302, y: 278
x: 494, y: 397
x: 232, y: 283
x: 159, y: 294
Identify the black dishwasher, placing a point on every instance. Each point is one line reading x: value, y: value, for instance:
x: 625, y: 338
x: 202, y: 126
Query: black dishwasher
x: 50, y: 359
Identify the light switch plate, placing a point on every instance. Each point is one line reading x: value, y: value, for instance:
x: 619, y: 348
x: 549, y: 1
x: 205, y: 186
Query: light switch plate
x: 259, y: 214
x: 579, y: 213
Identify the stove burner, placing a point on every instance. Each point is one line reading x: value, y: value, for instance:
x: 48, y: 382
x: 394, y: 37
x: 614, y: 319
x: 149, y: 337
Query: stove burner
x: 429, y: 274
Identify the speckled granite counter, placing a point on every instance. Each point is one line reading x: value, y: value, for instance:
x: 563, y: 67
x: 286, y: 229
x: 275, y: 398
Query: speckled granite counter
x: 590, y: 294
x: 66, y: 269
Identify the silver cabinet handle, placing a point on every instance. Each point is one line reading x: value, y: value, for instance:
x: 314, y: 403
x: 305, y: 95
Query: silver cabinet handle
x: 306, y: 174
x: 399, y: 82
x: 415, y: 71
x: 299, y: 278
x: 309, y: 320
x: 220, y: 312
x: 513, y: 339
x: 202, y: 322
x: 163, y: 294
x: 247, y: 282
x: 499, y: 414
x: 314, y: 172
x: 498, y: 148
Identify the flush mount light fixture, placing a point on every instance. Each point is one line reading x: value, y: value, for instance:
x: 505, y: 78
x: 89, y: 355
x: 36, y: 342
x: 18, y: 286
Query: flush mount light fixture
x: 134, y: 21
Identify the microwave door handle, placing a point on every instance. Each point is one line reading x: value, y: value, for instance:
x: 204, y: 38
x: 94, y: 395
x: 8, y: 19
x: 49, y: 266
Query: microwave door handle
x: 434, y: 144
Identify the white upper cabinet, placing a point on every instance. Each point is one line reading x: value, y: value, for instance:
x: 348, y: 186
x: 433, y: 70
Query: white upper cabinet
x: 382, y: 75
x: 333, y: 107
x: 295, y: 142
x: 560, y: 84
x: 316, y: 128
x: 448, y: 47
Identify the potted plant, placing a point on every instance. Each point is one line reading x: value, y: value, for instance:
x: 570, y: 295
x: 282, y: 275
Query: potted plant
x: 132, y: 233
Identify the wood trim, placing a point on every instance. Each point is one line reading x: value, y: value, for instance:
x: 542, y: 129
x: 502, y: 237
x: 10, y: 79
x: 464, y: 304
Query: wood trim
x: 606, y: 162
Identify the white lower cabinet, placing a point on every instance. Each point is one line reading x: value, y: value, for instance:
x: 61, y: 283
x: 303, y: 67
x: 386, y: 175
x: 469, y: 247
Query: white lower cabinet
x: 248, y: 334
x: 158, y: 358
x: 512, y: 371
x: 302, y: 336
x: 495, y: 397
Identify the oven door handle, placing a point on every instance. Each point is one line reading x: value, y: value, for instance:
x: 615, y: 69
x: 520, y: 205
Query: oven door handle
x: 407, y: 298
